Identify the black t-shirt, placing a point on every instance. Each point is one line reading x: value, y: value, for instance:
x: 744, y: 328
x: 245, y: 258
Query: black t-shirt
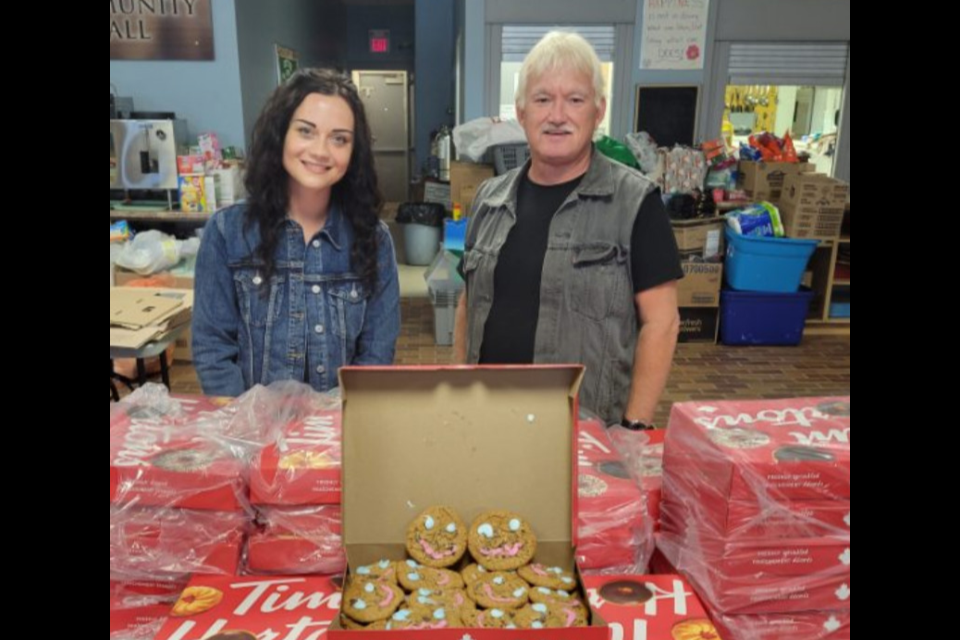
x: 509, y: 335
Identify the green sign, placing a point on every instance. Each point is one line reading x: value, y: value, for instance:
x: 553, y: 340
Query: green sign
x: 286, y: 63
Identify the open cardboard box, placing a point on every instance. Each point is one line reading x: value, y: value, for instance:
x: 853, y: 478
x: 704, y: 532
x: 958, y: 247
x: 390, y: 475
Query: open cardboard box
x: 473, y: 438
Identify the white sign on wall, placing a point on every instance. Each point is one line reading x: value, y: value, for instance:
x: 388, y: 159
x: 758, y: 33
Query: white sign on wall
x: 674, y: 34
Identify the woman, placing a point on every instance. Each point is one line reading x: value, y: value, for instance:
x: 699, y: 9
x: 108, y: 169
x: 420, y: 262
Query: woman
x: 301, y: 279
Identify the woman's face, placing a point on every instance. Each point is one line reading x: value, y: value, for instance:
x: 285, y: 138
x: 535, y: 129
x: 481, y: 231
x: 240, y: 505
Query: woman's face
x: 319, y: 143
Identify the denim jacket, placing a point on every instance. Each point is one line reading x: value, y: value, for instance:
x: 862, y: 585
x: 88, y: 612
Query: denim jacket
x: 313, y: 316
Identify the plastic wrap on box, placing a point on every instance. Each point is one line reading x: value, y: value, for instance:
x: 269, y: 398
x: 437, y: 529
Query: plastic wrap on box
x: 299, y: 607
x: 138, y: 609
x: 832, y: 625
x: 652, y: 471
x: 745, y: 557
x: 300, y: 465
x: 301, y: 541
x: 154, y: 401
x: 169, y: 452
x: 786, y: 461
x: 170, y: 544
x: 615, y: 535
x: 143, y: 630
x: 756, y: 504
x: 760, y: 592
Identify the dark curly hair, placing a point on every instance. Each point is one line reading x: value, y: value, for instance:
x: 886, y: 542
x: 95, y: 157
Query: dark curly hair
x: 357, y: 194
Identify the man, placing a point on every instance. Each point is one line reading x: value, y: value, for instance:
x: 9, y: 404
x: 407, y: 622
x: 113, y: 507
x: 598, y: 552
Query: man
x: 571, y: 258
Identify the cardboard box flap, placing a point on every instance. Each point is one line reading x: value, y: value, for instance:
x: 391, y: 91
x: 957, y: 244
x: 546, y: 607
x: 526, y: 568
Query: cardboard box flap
x: 474, y: 438
x: 136, y: 308
x: 132, y: 338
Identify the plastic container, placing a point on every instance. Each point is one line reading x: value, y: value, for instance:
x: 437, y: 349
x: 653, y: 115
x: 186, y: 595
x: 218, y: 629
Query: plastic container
x: 750, y: 318
x: 510, y: 156
x: 773, y: 265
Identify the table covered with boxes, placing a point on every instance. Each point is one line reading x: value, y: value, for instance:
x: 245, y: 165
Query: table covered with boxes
x: 452, y: 502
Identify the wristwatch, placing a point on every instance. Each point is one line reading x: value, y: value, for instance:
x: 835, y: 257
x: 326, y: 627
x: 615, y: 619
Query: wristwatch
x: 635, y: 425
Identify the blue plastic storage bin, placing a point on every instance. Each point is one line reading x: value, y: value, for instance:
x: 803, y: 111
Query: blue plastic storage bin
x: 774, y: 265
x: 749, y: 318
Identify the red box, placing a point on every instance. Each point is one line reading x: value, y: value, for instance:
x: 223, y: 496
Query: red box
x: 609, y: 496
x: 155, y: 463
x: 612, y: 528
x: 298, y: 541
x: 137, y: 608
x: 793, y: 520
x: 303, y: 466
x: 707, y: 506
x: 816, y: 593
x: 190, y: 164
x: 762, y: 451
x: 745, y: 557
x: 649, y: 607
x: 289, y: 607
x: 169, y: 544
x: 830, y: 625
x: 601, y: 557
x: 653, y: 474
x: 760, y: 592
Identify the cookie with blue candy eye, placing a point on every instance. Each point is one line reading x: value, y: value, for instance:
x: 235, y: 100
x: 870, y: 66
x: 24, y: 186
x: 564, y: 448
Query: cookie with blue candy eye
x: 414, y: 576
x: 385, y: 570
x: 500, y: 590
x: 551, y: 577
x: 437, y: 538
x: 471, y: 573
x: 454, y: 599
x: 555, y: 596
x: 490, y: 619
x: 501, y: 541
x: 422, y: 617
x: 550, y: 616
x: 371, y: 600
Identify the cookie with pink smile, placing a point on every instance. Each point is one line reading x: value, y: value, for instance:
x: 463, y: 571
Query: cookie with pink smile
x: 437, y: 538
x: 500, y: 591
x: 501, y: 541
x: 371, y: 600
x: 414, y: 577
x: 550, y: 616
x: 551, y: 577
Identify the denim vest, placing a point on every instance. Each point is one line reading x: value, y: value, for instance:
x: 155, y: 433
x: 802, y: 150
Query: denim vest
x: 587, y: 309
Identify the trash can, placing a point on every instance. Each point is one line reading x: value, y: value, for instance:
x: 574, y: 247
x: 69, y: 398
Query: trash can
x: 422, y: 226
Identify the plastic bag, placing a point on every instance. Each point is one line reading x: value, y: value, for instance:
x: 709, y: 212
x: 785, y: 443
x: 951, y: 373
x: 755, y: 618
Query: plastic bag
x: 617, y: 151
x: 430, y: 214
x: 761, y: 220
x: 472, y: 139
x: 150, y: 252
x: 644, y: 149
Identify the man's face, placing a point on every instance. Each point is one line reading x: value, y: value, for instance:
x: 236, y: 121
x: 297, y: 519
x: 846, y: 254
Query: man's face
x: 560, y: 116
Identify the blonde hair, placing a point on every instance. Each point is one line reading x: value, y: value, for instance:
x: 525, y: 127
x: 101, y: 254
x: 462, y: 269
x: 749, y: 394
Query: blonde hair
x: 561, y: 50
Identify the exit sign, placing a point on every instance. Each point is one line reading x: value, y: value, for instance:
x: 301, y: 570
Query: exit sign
x: 380, y: 41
